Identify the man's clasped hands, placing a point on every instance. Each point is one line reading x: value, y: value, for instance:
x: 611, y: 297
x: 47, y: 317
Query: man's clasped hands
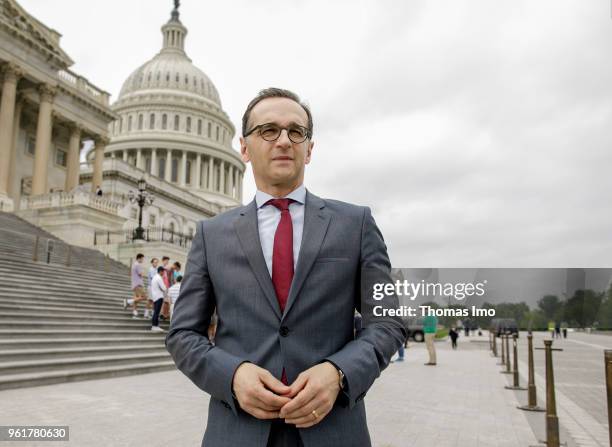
x: 304, y: 403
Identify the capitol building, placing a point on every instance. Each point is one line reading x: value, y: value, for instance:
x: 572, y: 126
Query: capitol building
x: 166, y: 130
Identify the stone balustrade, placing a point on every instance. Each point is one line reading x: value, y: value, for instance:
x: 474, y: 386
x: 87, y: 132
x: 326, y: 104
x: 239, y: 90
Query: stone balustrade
x: 63, y: 199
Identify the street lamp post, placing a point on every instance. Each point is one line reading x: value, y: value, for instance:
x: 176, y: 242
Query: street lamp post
x: 142, y: 198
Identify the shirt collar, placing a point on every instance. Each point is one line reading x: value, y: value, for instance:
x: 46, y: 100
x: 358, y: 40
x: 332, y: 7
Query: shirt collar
x: 298, y: 194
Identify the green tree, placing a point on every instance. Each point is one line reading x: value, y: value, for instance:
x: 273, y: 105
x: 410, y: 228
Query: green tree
x: 550, y: 305
x: 582, y: 309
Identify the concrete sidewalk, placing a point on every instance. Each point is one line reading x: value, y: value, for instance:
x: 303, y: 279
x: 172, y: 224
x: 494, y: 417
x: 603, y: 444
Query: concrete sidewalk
x: 457, y: 403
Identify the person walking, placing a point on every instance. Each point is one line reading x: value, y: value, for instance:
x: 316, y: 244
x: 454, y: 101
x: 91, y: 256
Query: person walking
x: 158, y: 292
x: 454, y: 335
x: 558, y: 329
x: 430, y: 326
x: 551, y: 328
x: 137, y: 279
x: 564, y: 328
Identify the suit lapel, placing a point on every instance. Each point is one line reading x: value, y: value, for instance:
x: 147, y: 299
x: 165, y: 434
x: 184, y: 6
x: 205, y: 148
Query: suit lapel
x: 316, y: 221
x: 248, y: 234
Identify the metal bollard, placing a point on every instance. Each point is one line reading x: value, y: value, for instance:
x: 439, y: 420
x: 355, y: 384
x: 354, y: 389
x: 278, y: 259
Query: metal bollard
x: 532, y: 397
x: 503, y: 353
x: 608, y: 360
x: 552, y: 420
x: 508, y: 354
x: 515, y: 373
x: 507, y: 370
x: 494, y: 346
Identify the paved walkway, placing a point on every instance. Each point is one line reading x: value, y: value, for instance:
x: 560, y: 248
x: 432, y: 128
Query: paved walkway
x: 460, y: 402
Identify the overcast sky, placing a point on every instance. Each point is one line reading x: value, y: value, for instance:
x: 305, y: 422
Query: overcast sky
x: 479, y: 132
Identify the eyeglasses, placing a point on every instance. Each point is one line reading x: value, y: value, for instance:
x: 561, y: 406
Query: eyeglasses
x: 271, y: 132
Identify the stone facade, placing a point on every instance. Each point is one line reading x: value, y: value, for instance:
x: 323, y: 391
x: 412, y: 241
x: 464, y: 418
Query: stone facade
x: 46, y: 111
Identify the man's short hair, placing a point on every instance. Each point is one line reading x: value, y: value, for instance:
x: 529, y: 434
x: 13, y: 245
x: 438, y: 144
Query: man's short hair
x: 139, y: 256
x: 273, y: 92
x: 153, y: 260
x: 165, y: 258
x: 179, y: 278
x: 177, y: 264
x: 160, y: 269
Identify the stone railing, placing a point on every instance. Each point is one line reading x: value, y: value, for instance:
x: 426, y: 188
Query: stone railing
x: 83, y: 85
x: 61, y: 199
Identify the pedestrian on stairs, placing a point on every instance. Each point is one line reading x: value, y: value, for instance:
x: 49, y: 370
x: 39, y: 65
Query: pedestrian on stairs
x: 158, y: 292
x: 168, y: 281
x: 173, y: 293
x: 138, y: 290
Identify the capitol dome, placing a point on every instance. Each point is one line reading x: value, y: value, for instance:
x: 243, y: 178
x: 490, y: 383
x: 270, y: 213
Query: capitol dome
x: 172, y: 125
x: 170, y: 71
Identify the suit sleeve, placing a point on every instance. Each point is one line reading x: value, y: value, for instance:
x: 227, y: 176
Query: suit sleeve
x: 363, y: 358
x: 208, y: 366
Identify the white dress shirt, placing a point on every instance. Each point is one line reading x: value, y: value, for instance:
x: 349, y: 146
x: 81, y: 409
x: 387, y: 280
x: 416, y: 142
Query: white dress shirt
x: 268, y: 218
x: 158, y: 288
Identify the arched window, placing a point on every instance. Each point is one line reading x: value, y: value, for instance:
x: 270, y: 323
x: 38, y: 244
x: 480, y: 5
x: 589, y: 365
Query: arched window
x: 140, y: 120
x: 176, y: 122
x: 161, y: 168
x: 129, y: 123
x: 120, y: 124
x: 177, y: 77
x: 199, y: 127
x: 209, y: 130
x: 152, y: 121
x: 188, y: 173
x: 164, y: 121
x: 174, y: 176
x: 217, y: 138
x: 168, y: 77
x: 171, y: 227
x: 149, y: 78
x: 186, y: 80
x: 188, y: 124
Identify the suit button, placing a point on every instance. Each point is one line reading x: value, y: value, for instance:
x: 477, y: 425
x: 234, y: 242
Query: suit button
x: 284, y: 331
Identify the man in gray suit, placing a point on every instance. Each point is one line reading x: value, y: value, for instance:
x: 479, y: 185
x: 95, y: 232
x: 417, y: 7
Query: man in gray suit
x: 285, y: 274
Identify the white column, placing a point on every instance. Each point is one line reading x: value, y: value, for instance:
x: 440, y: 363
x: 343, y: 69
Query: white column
x: 154, y: 170
x: 222, y: 177
x: 72, y: 167
x: 211, y: 167
x: 198, y: 174
x: 43, y: 140
x: 96, y: 181
x: 11, y: 163
x: 139, y: 158
x: 168, y: 173
x: 7, y: 117
x: 125, y: 155
x: 232, y: 183
x: 183, y: 173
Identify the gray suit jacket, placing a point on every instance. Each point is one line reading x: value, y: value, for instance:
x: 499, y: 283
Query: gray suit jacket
x: 341, y: 256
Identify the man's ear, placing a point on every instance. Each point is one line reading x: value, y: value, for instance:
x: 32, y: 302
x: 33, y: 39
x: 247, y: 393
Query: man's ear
x: 244, y: 152
x: 308, y: 152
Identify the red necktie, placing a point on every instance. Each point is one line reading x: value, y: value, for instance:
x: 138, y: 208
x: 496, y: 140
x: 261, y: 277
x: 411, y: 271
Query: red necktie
x: 282, y: 257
